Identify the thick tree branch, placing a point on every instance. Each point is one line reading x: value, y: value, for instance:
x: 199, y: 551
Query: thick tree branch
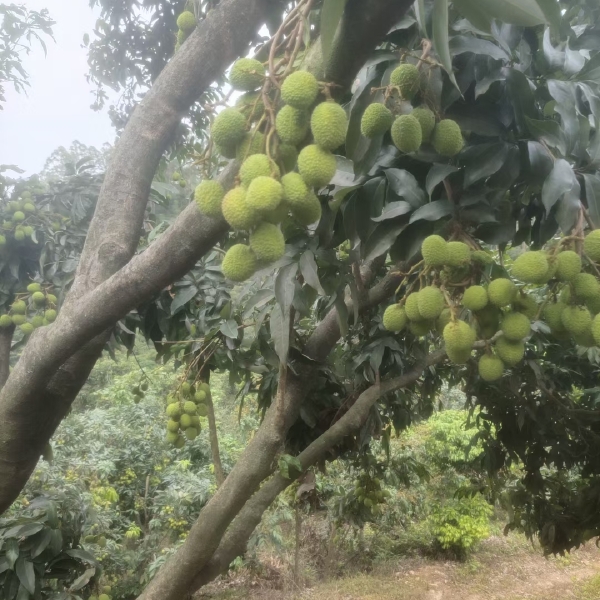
x: 237, y: 536
x: 114, y: 234
x: 6, y: 336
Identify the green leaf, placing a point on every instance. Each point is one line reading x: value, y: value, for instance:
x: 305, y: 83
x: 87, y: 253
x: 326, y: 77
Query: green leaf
x: 331, y: 15
x: 229, y: 329
x: 11, y: 551
x: 525, y: 13
x: 310, y: 272
x: 441, y: 38
x: 421, y: 15
x: 405, y: 185
x: 592, y: 194
x: 280, y: 333
x: 182, y: 297
x: 432, y: 211
x: 468, y: 43
x: 436, y: 175
x: 42, y: 544
x: 341, y: 312
x: 382, y: 239
x: 488, y: 158
x: 548, y: 132
x: 560, y: 181
x: 521, y: 96
x: 393, y: 210
x: 82, y: 580
x: 26, y: 574
x: 551, y: 10
x: 591, y: 70
x: 284, y: 286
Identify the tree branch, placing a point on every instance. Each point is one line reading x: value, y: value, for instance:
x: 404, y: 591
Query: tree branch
x: 237, y: 536
x: 6, y: 336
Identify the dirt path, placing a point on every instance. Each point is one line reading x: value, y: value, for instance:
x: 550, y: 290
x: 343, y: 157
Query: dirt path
x: 502, y: 569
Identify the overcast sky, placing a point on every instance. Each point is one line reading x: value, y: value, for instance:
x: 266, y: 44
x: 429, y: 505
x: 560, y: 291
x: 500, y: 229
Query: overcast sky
x: 56, y: 110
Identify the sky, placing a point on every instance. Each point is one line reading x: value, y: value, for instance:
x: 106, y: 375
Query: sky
x: 56, y: 110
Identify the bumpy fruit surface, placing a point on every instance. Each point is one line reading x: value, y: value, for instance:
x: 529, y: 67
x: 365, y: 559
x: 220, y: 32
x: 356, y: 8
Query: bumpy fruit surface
x: 5, y: 321
x: 419, y: 328
x: 202, y: 410
x: 246, y: 74
x: 553, y: 316
x: 406, y: 134
x: 172, y: 426
x: 576, y: 319
x: 174, y: 410
x: 278, y: 215
x: 376, y: 120
x: 208, y: 196
x: 443, y: 320
x: 515, y: 326
x: 37, y: 321
x: 189, y: 407
x: 434, y: 250
x: 186, y: 21
x: 586, y: 286
x: 490, y: 367
x: 394, y: 318
x: 526, y: 305
x: 475, y: 297
x: 458, y: 336
x: 510, y: 352
x: 251, y: 104
x: 252, y: 143
x: 267, y: 242
x: 34, y: 287
x: 457, y: 356
x: 39, y: 298
x: 257, y: 165
x: 309, y: 211
x: 458, y: 254
x: 191, y: 433
x: 300, y: 89
x: 292, y: 125
x: 568, y: 265
x: 412, y: 307
x: 531, y: 267
x: 237, y: 212
x: 591, y: 245
x: 294, y: 189
x: 596, y: 329
x: 447, y: 138
x: 288, y: 156
x: 426, y: 119
x: 501, y: 292
x: 239, y: 263
x: 317, y: 166
x: 228, y: 128
x: 430, y: 302
x: 18, y: 216
x: 329, y: 125
x: 406, y: 77
x: 185, y: 421
x: 19, y: 319
x: 264, y: 194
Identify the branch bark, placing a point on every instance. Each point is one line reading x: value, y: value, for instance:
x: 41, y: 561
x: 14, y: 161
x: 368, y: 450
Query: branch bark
x: 237, y: 536
x: 6, y: 336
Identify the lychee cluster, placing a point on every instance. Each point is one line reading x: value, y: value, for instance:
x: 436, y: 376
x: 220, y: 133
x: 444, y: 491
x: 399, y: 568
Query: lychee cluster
x: 369, y: 493
x: 410, y: 131
x: 184, y: 410
x: 283, y: 163
x: 463, y: 306
x: 31, y: 309
x: 17, y: 219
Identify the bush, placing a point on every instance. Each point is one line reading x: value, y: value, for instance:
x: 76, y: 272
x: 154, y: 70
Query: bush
x: 459, y: 524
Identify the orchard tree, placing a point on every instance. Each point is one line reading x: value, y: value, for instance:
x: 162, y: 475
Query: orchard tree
x: 389, y: 167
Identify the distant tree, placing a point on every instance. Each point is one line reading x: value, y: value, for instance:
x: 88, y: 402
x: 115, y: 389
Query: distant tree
x: 65, y: 162
x: 19, y: 29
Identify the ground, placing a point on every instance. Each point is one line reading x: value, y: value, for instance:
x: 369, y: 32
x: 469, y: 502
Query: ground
x: 503, y: 568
